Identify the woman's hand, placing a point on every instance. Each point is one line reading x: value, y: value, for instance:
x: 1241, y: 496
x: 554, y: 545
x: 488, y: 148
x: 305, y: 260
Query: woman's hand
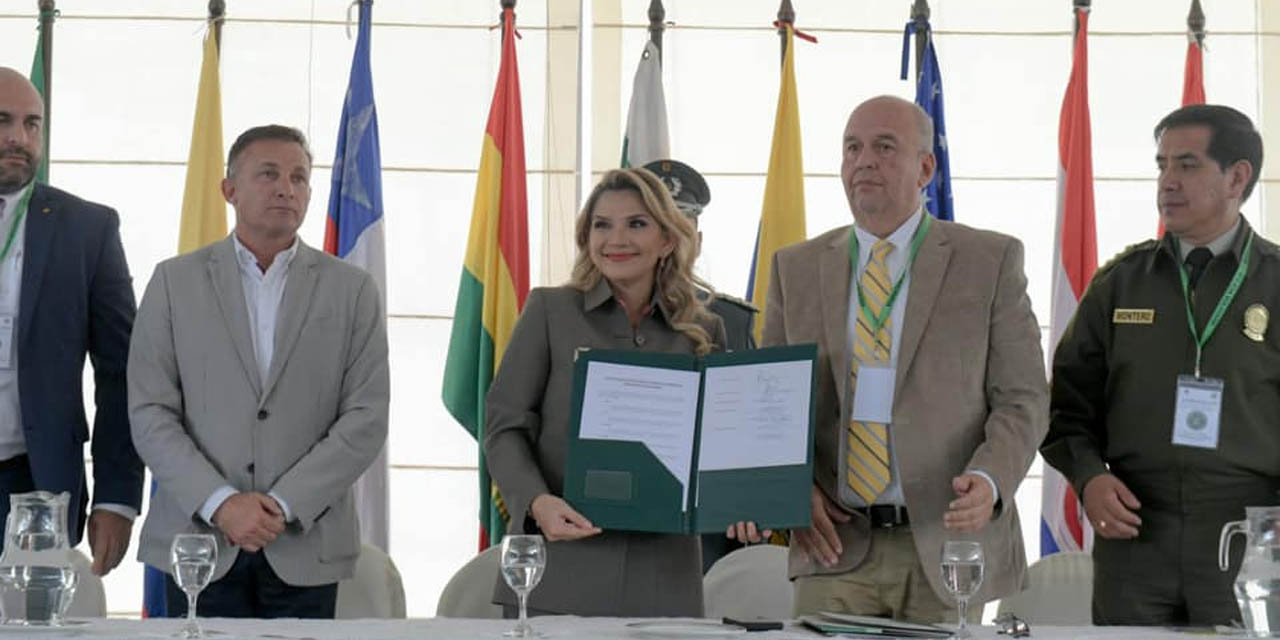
x: 746, y: 532
x: 558, y: 520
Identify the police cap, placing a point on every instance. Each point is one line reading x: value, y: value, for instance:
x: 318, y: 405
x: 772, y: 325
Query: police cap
x: 685, y: 184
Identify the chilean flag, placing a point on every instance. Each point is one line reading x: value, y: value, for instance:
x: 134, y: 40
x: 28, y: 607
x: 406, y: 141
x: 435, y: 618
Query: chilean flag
x: 353, y: 232
x: 1063, y: 526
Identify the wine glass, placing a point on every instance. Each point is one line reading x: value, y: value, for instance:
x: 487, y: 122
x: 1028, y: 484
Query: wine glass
x: 962, y: 563
x: 523, y: 560
x: 193, y: 556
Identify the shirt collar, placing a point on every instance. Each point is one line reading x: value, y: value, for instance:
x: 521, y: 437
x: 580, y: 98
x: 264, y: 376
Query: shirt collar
x: 11, y: 200
x: 900, y: 238
x: 1229, y: 240
x: 247, y: 259
x: 602, y: 293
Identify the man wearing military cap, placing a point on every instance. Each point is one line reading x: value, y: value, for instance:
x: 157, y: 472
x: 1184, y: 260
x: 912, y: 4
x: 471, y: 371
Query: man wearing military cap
x: 691, y: 194
x: 1164, y: 395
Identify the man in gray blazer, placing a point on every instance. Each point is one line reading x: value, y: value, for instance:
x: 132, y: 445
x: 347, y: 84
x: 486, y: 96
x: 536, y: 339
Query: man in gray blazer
x: 258, y: 392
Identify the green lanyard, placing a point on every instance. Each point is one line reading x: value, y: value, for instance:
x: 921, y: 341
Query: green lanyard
x: 20, y: 211
x: 877, y: 322
x: 1225, y: 301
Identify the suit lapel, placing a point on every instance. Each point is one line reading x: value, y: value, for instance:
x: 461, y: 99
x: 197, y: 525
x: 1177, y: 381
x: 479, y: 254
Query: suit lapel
x: 298, y: 292
x: 42, y: 222
x: 833, y: 276
x: 927, y: 275
x: 228, y: 288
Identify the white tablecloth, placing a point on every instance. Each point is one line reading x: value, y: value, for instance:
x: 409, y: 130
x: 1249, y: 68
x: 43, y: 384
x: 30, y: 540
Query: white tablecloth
x: 462, y: 629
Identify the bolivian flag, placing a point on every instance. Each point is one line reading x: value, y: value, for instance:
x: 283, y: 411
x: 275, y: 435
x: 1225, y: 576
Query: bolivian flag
x: 495, y: 272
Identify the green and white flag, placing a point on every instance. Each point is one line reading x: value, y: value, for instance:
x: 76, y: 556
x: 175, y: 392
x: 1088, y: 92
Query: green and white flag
x: 38, y: 79
x: 646, y: 136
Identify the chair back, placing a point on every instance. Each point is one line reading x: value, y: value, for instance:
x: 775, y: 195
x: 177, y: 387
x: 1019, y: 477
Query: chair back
x: 469, y: 593
x: 375, y: 590
x: 1059, y: 591
x: 750, y: 582
x: 90, y: 599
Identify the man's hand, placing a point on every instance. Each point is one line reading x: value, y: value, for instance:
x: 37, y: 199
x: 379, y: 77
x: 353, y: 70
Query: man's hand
x: 821, y: 541
x: 1110, y: 507
x: 558, y: 520
x: 745, y: 532
x: 108, y: 539
x: 973, y: 506
x: 249, y: 520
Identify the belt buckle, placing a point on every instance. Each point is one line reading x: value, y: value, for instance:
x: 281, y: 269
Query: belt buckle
x: 893, y: 519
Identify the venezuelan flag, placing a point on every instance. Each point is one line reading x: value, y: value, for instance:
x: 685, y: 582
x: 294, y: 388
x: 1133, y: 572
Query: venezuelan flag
x: 495, y: 272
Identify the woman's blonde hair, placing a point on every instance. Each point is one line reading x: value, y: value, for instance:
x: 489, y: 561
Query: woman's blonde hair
x: 675, y: 285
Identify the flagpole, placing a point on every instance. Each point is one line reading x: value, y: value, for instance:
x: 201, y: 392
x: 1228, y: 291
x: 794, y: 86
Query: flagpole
x: 786, y: 16
x: 920, y: 16
x: 502, y: 17
x: 217, y: 13
x: 1079, y: 4
x: 47, y: 10
x: 1195, y: 23
x: 657, y: 24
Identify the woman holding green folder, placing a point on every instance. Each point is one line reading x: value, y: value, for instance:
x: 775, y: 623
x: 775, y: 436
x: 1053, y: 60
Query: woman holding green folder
x: 632, y: 288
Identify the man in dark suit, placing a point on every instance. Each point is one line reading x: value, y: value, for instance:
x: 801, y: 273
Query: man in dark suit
x: 65, y: 291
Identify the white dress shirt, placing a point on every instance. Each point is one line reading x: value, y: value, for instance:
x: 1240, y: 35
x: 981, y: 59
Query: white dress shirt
x: 1217, y: 246
x: 263, y: 293
x: 897, y: 265
x: 12, y: 440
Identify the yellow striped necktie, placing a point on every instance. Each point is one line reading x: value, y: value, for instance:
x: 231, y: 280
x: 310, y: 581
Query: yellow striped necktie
x: 868, y: 455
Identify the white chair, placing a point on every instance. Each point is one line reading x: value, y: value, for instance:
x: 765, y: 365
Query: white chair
x: 374, y: 591
x: 1059, y: 591
x: 469, y: 593
x: 89, y: 600
x: 750, y: 582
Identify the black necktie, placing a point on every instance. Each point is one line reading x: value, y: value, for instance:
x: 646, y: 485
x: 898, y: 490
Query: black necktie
x: 1197, y: 260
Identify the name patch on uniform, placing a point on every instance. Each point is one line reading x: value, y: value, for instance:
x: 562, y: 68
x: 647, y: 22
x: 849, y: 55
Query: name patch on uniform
x: 1133, y: 316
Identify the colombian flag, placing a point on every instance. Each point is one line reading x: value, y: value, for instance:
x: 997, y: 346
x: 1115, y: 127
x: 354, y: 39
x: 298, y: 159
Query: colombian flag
x: 495, y: 272
x: 782, y: 216
x: 204, y: 221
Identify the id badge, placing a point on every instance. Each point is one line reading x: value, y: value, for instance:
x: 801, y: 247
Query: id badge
x: 1197, y: 411
x: 6, y: 341
x: 873, y: 394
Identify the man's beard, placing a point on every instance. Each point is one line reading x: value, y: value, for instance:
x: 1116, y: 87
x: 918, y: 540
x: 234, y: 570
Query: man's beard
x: 14, y: 178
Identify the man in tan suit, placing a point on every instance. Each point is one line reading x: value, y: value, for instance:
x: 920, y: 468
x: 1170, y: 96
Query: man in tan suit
x: 258, y: 391
x: 931, y: 395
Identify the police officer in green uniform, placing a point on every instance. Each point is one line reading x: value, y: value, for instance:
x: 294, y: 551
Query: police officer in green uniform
x: 1165, y: 411
x: 691, y: 194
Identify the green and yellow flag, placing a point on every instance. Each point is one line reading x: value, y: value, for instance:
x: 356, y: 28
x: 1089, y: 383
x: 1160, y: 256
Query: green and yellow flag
x: 204, y: 210
x: 782, y: 216
x: 495, y: 273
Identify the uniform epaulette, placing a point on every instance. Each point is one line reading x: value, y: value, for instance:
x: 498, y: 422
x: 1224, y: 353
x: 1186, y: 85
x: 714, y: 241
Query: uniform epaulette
x: 1126, y: 253
x: 739, y: 302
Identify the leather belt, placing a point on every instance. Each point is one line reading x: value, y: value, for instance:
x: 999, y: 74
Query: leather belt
x: 885, y: 515
x: 15, y: 463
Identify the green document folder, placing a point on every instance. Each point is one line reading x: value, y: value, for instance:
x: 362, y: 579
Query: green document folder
x: 621, y: 483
